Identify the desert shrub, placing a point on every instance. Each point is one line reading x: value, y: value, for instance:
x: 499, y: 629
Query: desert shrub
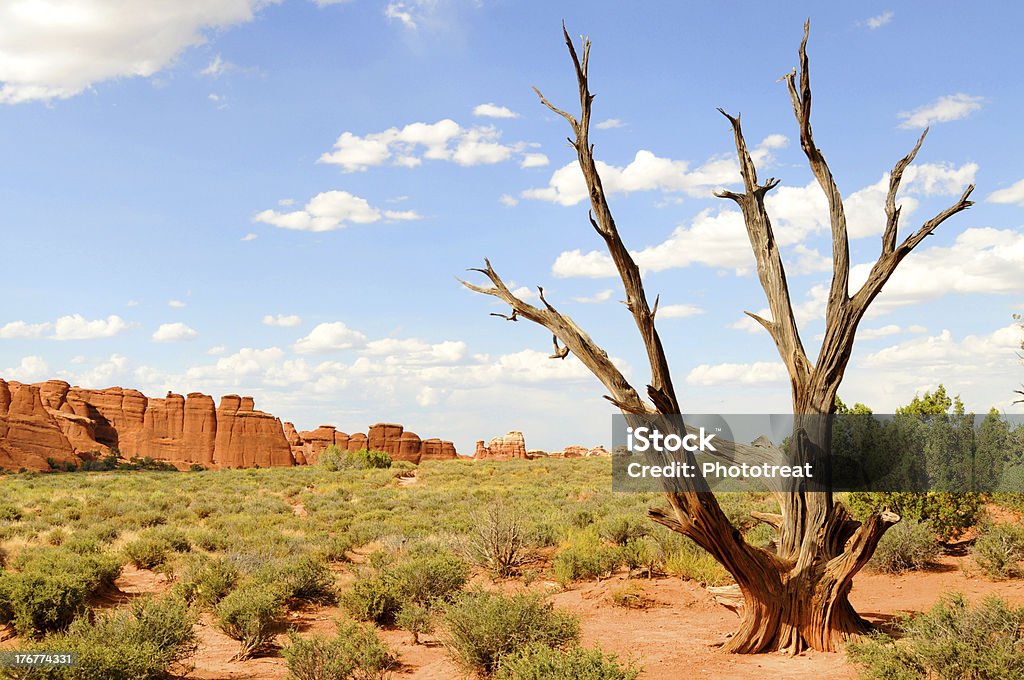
x: 690, y: 561
x: 641, y: 553
x: 356, y: 653
x: 207, y: 581
x: 422, y: 579
x: 950, y: 514
x: 907, y: 546
x: 307, y: 578
x: 143, y: 642
x: 253, y: 615
x: 999, y: 549
x: 538, y: 662
x: 9, y: 513
x: 147, y: 552
x: 50, y: 588
x: 415, y: 618
x: 334, y: 459
x: 497, y: 541
x: 629, y: 596
x: 211, y: 541
x: 483, y: 627
x: 585, y: 556
x: 335, y: 548
x: 950, y: 642
x: 620, y: 529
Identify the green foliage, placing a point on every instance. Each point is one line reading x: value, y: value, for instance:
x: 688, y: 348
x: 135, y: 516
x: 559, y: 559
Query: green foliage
x: 999, y: 549
x: 620, y: 529
x: 146, y: 641
x: 481, y: 628
x: 208, y: 580
x: 694, y: 563
x: 539, y: 662
x: 334, y: 459
x: 951, y: 642
x: 422, y: 580
x: 949, y: 514
x: 9, y: 513
x: 306, y: 578
x: 415, y: 618
x: 253, y: 615
x: 907, y: 546
x: 585, y: 555
x: 356, y: 653
x: 148, y: 552
x: 48, y: 588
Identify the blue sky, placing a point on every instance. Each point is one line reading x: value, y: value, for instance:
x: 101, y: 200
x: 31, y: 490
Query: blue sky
x: 274, y: 198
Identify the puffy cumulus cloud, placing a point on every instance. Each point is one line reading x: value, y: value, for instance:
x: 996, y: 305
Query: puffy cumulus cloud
x: 413, y: 351
x: 21, y: 329
x: 678, y: 311
x: 983, y: 368
x: 610, y: 124
x: 29, y: 369
x: 54, y: 50
x: 331, y: 210
x: 981, y: 260
x: 174, y: 332
x: 743, y: 374
x: 942, y: 110
x: 77, y: 327
x: 112, y: 371
x: 409, y: 146
x: 329, y: 337
x: 1013, y: 194
x: 494, y: 111
x: 283, y: 320
x: 649, y: 172
x: 250, y: 367
x: 600, y: 296
x: 534, y: 160
x: 508, y: 200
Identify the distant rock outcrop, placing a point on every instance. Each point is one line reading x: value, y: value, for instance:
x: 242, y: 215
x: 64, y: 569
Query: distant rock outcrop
x: 53, y: 421
x: 507, y: 447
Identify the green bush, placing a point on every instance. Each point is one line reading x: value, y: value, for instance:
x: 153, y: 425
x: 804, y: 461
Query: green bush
x: 148, y: 552
x: 585, y: 556
x: 950, y: 514
x: 356, y: 653
x: 538, y: 662
x: 147, y: 641
x: 334, y: 459
x: 423, y: 580
x: 415, y: 618
x: 907, y: 546
x: 208, y: 580
x: 9, y: 513
x: 621, y: 529
x: 483, y: 627
x: 696, y: 564
x: 253, y: 615
x: 951, y: 642
x: 50, y: 588
x: 307, y: 578
x: 999, y: 549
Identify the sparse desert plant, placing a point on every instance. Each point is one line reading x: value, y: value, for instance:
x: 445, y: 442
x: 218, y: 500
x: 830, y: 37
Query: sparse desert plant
x: 497, y: 541
x: 253, y: 615
x: 415, y: 618
x: 696, y: 564
x: 539, y: 662
x: 999, y: 549
x: 306, y: 578
x: 629, y: 596
x: 208, y: 580
x: 620, y: 529
x: 148, y: 552
x: 483, y: 627
x: 355, y: 653
x: 585, y: 556
x: 909, y: 545
x: 422, y: 579
x: 951, y: 642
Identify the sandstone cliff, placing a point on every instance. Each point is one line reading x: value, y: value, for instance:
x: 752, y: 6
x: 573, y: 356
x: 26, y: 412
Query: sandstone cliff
x: 387, y: 437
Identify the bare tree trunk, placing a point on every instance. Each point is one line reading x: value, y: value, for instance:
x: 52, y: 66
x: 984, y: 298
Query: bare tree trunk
x: 795, y: 597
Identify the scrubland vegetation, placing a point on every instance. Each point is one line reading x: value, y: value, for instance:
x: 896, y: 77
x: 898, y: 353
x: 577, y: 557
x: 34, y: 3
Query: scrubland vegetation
x: 466, y: 555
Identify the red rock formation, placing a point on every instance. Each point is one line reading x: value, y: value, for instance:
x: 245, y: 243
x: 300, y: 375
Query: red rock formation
x: 507, y: 447
x: 248, y: 438
x: 29, y: 434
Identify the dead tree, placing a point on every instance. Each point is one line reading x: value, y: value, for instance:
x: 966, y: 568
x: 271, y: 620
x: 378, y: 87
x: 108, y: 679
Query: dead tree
x: 796, y: 597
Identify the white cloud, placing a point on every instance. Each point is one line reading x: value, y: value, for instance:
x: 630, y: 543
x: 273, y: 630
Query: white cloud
x: 77, y: 327
x: 879, y: 20
x: 1012, y: 194
x: 942, y: 110
x: 400, y: 11
x: 283, y: 320
x: 174, y: 332
x: 329, y: 337
x: 748, y: 325
x: 21, y: 329
x: 105, y: 373
x: 217, y: 349
x: 176, y: 304
x: 414, y: 351
x: 52, y: 50
x: 600, y: 296
x: 610, y: 123
x: 444, y: 140
x: 30, y: 369
x: 494, y: 111
x: 508, y: 200
x: 217, y: 67
x: 743, y: 374
x: 329, y: 211
x: 524, y: 293
x: 678, y: 311
x: 534, y: 160
x: 250, y: 237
